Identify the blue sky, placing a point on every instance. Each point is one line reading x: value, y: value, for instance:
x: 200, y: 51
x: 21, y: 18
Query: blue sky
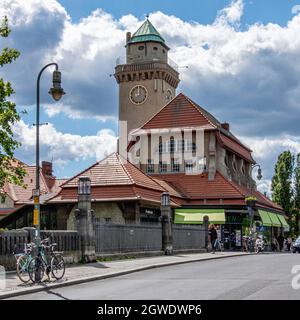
x: 243, y: 59
x: 203, y: 11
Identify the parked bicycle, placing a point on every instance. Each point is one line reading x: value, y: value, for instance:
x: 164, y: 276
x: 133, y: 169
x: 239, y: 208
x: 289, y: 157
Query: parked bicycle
x: 39, y: 265
x: 23, y: 260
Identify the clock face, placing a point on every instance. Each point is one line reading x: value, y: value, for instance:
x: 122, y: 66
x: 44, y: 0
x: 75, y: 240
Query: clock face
x: 138, y: 94
x: 169, y: 95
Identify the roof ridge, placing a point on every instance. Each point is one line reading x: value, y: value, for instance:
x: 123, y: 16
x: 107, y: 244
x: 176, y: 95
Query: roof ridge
x: 197, y: 107
x: 156, y: 113
x: 123, y: 166
x: 143, y: 173
x: 90, y: 167
x: 234, y: 138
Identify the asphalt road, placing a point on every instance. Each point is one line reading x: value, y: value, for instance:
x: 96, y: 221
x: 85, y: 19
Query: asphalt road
x: 266, y: 276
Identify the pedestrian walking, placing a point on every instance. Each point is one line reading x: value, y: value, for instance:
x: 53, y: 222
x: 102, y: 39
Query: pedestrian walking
x: 274, y: 244
x: 289, y: 242
x: 280, y: 240
x: 212, y: 232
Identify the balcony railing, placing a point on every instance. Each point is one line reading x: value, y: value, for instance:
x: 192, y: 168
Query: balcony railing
x: 146, y: 66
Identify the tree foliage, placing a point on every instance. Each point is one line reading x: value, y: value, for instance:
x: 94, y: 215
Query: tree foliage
x: 286, y: 188
x: 282, y: 181
x: 10, y: 169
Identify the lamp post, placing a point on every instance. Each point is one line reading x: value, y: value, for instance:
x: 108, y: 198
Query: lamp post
x: 167, y: 241
x: 84, y: 215
x: 56, y: 91
x: 250, y: 207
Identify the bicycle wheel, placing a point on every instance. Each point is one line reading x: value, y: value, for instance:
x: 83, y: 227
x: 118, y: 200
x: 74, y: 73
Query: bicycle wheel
x: 58, y: 266
x: 36, y: 270
x: 22, y: 268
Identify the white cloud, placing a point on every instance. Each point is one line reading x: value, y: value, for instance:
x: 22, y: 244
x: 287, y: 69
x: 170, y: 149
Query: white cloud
x: 247, y: 76
x: 65, y: 147
x: 235, y: 73
x: 54, y: 109
x: 266, y: 151
x: 232, y: 13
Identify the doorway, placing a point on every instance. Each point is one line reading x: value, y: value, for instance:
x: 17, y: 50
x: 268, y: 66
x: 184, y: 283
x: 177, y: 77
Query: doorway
x: 232, y: 237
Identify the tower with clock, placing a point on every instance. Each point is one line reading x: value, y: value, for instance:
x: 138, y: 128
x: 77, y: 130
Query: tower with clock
x: 147, y: 81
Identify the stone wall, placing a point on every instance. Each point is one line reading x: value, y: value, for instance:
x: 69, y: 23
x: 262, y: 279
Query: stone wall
x: 103, y: 211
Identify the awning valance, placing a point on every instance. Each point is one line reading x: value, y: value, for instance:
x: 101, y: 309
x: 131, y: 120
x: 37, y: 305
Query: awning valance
x: 275, y: 220
x: 283, y: 221
x: 266, y: 220
x: 270, y: 219
x: 195, y: 216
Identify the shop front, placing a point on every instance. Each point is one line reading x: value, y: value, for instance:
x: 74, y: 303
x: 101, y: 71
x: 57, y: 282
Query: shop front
x: 271, y: 224
x: 229, y: 225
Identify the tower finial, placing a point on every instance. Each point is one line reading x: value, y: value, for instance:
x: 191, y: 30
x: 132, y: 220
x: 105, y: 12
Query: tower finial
x: 147, y: 16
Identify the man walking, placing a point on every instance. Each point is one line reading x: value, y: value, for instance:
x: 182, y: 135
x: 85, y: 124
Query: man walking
x: 212, y: 232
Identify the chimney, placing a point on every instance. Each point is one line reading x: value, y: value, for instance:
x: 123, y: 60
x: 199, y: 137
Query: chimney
x: 225, y: 126
x: 47, y: 168
x: 128, y: 36
x: 47, y: 174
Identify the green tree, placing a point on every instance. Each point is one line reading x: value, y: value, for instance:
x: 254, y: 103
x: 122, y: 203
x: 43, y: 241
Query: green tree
x: 282, y: 181
x: 10, y: 169
x: 295, y: 213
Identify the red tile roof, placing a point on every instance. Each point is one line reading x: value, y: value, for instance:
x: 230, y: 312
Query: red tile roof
x: 181, y: 112
x: 113, y: 178
x: 22, y: 195
x: 235, y: 146
x: 114, y: 170
x: 197, y: 189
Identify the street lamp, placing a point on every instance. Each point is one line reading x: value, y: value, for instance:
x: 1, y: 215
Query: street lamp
x: 259, y: 175
x: 57, y: 92
x: 167, y: 242
x: 165, y: 199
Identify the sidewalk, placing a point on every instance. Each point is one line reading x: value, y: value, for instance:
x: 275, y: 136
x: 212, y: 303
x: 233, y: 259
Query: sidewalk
x: 101, y: 270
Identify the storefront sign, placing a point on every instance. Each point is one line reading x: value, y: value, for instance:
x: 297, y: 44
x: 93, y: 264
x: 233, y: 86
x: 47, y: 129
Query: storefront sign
x: 234, y: 218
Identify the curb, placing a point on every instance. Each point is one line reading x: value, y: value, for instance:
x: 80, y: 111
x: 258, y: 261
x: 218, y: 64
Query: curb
x: 109, y: 275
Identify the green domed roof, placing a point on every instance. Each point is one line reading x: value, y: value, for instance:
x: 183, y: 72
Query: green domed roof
x: 146, y: 32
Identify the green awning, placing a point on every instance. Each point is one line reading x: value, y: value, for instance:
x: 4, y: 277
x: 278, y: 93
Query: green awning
x: 275, y: 220
x: 283, y: 221
x: 266, y: 220
x: 195, y: 216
